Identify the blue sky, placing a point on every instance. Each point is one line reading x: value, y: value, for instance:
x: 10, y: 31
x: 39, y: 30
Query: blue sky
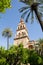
x: 11, y: 18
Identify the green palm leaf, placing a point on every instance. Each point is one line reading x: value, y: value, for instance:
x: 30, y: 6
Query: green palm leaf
x: 23, y: 8
x: 7, y: 33
x: 41, y: 10
x: 28, y: 16
x: 41, y: 6
x: 40, y: 14
x: 23, y: 15
x: 32, y: 17
x: 35, y: 7
x: 41, y: 1
x: 23, y: 1
x: 28, y: 2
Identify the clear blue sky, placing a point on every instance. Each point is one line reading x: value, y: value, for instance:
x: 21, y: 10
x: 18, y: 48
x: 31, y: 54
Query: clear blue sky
x: 11, y: 18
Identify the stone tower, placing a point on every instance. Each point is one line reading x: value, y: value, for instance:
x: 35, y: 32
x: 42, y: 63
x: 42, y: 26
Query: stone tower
x: 21, y: 35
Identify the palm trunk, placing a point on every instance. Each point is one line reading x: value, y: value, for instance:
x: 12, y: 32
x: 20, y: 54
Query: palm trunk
x: 7, y: 43
x: 38, y: 16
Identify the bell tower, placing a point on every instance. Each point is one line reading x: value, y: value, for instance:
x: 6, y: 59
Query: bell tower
x: 21, y: 34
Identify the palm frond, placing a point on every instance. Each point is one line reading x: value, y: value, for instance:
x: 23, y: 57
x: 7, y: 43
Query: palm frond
x: 28, y: 16
x: 32, y: 17
x: 40, y: 6
x: 39, y: 19
x: 40, y: 14
x: 28, y: 2
x: 41, y: 1
x: 7, y: 32
x: 24, y: 1
x: 23, y: 15
x: 41, y: 10
x: 23, y: 8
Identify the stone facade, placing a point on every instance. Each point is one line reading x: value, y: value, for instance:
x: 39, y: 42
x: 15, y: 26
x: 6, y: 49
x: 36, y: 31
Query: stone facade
x: 22, y: 36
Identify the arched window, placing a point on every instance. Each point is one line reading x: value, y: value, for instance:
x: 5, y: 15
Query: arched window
x: 31, y: 46
x: 19, y: 33
x: 20, y: 27
x: 23, y: 26
x: 23, y: 33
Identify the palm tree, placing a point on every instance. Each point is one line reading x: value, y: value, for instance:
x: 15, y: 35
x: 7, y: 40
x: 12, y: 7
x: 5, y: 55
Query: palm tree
x: 41, y: 46
x: 7, y: 33
x: 32, y: 6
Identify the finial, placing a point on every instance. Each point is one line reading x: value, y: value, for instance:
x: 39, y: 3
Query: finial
x: 21, y: 20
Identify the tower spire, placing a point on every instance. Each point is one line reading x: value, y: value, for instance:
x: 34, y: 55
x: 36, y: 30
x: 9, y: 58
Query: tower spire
x: 21, y: 34
x: 21, y: 20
